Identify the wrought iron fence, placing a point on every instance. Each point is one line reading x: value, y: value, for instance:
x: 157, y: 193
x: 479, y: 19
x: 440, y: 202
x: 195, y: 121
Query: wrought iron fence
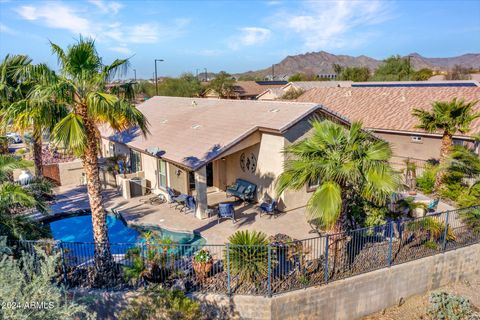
x: 269, y: 269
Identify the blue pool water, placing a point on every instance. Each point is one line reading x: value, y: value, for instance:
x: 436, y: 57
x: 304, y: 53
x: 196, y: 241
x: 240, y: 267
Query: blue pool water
x: 79, y: 229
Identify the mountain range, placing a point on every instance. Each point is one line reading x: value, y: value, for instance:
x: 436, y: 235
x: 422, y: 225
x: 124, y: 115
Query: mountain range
x: 322, y: 63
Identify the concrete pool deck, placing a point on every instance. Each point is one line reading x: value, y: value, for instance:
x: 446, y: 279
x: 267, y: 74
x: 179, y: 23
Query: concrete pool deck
x: 293, y: 223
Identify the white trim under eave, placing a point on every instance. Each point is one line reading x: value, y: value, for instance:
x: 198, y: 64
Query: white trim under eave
x: 418, y: 133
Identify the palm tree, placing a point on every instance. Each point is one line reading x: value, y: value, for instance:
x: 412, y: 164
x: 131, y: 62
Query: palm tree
x: 347, y: 164
x: 25, y: 114
x: 81, y: 87
x: 449, y: 117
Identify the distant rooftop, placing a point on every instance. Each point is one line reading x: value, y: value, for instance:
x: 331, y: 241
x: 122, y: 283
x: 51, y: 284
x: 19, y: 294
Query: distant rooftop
x: 442, y: 83
x: 389, y: 108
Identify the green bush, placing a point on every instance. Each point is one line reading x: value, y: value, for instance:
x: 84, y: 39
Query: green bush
x: 430, y: 231
x: 471, y: 218
x: 445, y: 306
x: 18, y: 227
x: 374, y: 215
x: 30, y: 279
x: 248, y: 255
x: 158, y: 303
x: 426, y: 181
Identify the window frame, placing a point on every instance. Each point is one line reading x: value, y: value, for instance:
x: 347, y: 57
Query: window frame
x: 160, y: 175
x: 138, y: 161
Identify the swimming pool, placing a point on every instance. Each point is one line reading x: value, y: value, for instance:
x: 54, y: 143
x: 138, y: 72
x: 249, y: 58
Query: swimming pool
x: 78, y: 228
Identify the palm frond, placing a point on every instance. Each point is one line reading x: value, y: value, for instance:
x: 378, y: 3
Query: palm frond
x: 70, y: 133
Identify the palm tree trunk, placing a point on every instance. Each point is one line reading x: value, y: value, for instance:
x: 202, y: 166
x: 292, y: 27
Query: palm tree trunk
x: 445, y: 151
x: 103, y: 257
x: 37, y: 151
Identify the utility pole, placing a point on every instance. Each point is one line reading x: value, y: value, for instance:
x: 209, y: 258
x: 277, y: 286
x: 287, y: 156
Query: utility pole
x: 156, y: 76
x: 206, y: 75
x: 196, y: 73
x: 135, y: 74
x: 409, y: 66
x: 273, y: 72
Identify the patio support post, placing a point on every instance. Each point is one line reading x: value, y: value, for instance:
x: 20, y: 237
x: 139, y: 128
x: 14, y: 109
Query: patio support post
x: 201, y: 190
x: 390, y: 242
x: 269, y: 284
x: 445, y: 232
x: 325, y: 269
x: 228, y: 269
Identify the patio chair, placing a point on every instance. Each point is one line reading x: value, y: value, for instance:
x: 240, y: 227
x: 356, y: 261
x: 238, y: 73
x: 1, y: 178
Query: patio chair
x: 156, y: 199
x: 190, y: 205
x: 432, y: 205
x: 225, y: 210
x: 172, y: 197
x: 268, y: 208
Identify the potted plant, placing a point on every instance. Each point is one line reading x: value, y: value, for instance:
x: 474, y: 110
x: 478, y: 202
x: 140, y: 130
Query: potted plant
x: 202, y: 263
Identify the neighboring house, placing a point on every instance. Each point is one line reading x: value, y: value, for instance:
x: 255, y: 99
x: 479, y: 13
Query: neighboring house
x: 277, y: 93
x: 248, y: 90
x: 387, y: 111
x: 417, y: 84
x: 195, y: 144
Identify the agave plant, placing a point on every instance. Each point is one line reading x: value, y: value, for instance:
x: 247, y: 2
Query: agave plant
x: 471, y: 218
x: 248, y: 255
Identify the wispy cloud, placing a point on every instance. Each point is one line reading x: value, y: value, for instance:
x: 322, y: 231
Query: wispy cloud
x: 6, y: 29
x: 333, y: 24
x: 107, y: 6
x: 100, y: 26
x: 249, y: 36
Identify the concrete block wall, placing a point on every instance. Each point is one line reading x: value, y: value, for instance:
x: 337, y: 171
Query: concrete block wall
x: 358, y: 296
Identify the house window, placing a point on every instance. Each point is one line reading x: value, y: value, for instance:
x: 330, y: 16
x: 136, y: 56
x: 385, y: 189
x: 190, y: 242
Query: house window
x: 162, y: 174
x: 458, y: 142
x: 135, y: 161
x: 313, y: 185
x: 417, y: 139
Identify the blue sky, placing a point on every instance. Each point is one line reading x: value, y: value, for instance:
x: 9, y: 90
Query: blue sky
x: 238, y: 35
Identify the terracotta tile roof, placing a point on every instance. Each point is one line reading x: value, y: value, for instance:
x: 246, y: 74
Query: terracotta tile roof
x: 191, y: 131
x: 389, y: 108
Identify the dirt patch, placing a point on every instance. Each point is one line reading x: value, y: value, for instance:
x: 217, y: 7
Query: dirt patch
x: 416, y: 307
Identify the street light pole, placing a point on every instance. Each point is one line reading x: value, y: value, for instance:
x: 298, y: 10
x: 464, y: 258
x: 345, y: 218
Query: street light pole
x: 206, y: 75
x: 156, y: 77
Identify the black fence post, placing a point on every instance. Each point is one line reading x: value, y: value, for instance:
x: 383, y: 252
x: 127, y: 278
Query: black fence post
x: 326, y: 260
x: 64, y: 268
x: 269, y: 285
x: 390, y: 243
x: 228, y: 269
x: 445, y: 232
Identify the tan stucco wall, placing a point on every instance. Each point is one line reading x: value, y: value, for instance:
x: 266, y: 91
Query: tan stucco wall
x: 269, y: 164
x: 149, y: 167
x: 177, y: 182
x: 403, y: 146
x: 268, y: 96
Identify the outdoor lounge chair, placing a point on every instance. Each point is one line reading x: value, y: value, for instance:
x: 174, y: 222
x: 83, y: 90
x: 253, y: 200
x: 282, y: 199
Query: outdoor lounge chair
x: 432, y: 206
x: 243, y: 190
x: 225, y: 210
x: 173, y: 199
x: 156, y: 199
x: 268, y: 208
x: 190, y: 205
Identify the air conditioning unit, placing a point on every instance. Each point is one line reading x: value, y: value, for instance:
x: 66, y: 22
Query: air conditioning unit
x: 138, y: 187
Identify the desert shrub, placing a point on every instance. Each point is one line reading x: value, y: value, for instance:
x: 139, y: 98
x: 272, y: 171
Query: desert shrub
x: 152, y: 262
x: 18, y: 227
x: 248, y: 255
x: 374, y: 215
x: 162, y: 304
x: 430, y: 231
x: 471, y: 218
x: 426, y: 181
x: 445, y: 306
x: 29, y: 279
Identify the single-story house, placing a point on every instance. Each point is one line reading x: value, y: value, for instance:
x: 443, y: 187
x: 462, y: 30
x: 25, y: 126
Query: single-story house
x: 247, y: 90
x: 387, y: 111
x: 200, y: 144
x: 277, y: 93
